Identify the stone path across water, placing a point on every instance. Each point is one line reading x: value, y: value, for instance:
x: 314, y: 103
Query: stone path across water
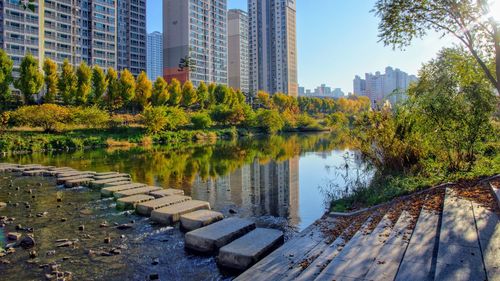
x: 168, y: 206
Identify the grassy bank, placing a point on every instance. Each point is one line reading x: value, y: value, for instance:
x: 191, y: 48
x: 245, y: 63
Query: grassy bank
x: 385, y: 188
x: 16, y: 141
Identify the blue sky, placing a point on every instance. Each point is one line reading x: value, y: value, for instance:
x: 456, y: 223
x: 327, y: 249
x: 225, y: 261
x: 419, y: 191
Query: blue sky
x: 336, y: 40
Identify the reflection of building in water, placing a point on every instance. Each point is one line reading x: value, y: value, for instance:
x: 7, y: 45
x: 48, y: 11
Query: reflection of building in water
x: 267, y: 189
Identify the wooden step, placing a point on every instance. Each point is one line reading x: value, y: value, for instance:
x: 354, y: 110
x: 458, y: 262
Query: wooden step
x: 459, y: 255
x: 355, y: 259
x: 211, y: 238
x: 146, y: 208
x: 418, y: 260
x: 315, y: 268
x: 250, y: 248
x: 171, y: 214
x: 385, y: 266
x: 488, y: 229
x: 276, y: 264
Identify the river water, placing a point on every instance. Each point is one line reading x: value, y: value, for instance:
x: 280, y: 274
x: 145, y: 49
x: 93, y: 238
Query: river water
x: 280, y: 182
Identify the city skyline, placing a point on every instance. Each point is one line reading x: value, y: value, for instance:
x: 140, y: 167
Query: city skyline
x: 335, y: 58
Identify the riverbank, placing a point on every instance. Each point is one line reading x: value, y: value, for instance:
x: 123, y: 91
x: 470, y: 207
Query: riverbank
x: 384, y: 188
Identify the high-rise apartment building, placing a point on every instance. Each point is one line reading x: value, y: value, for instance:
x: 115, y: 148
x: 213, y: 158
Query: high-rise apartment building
x: 273, y: 46
x: 197, y: 30
x: 391, y: 85
x: 155, y: 55
x: 108, y: 33
x: 238, y: 66
x: 82, y: 30
x: 132, y: 35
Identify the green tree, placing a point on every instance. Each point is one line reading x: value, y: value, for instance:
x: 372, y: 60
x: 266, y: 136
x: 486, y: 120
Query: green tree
x: 222, y: 95
x: 127, y: 86
x: 189, y: 96
x: 113, y: 98
x: 201, y: 120
x: 6, y: 79
x: 51, y: 81
x: 176, y: 118
x: 160, y: 93
x: 454, y: 103
x: 270, y: 120
x: 67, y: 83
x: 99, y: 85
x: 469, y: 21
x: 143, y: 90
x: 30, y: 79
x: 203, y: 95
x: 84, y: 83
x: 155, y: 118
x: 175, y: 90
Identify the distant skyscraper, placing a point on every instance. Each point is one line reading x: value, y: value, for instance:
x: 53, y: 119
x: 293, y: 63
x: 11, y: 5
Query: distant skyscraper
x: 195, y: 29
x: 155, y: 55
x: 238, y: 66
x: 60, y: 29
x: 273, y: 46
x: 132, y: 35
x: 391, y: 86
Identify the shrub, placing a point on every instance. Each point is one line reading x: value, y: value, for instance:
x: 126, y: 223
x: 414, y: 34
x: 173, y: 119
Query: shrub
x: 155, y: 118
x: 306, y: 122
x: 4, y: 121
x: 269, y: 120
x: 176, y: 118
x: 337, y: 120
x: 91, y: 117
x: 50, y: 117
x: 201, y: 120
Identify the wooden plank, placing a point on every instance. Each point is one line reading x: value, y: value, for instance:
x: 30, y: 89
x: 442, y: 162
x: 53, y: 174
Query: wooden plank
x: 418, y: 259
x: 314, y: 269
x: 459, y: 255
x: 385, y: 266
x: 488, y: 229
x: 355, y: 259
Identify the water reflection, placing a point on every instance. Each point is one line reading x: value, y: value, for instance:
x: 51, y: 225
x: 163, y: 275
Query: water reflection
x: 250, y: 177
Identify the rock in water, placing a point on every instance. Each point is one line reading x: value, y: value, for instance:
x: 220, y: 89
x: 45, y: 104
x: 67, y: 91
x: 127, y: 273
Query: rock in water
x: 27, y: 242
x: 3, y: 205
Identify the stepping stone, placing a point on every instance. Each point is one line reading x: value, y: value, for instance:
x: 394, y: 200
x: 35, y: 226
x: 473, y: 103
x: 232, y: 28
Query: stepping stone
x: 172, y: 214
x: 106, y: 173
x: 146, y: 208
x: 33, y: 173
x: 249, y: 249
x: 108, y: 191
x: 117, y: 183
x: 111, y: 176
x: 417, y: 261
x: 66, y: 174
x: 459, y: 256
x: 131, y: 201
x: 211, y: 238
x: 200, y: 218
x: 167, y: 192
x: 135, y: 191
x: 102, y: 183
x: 62, y: 180
x: 78, y: 182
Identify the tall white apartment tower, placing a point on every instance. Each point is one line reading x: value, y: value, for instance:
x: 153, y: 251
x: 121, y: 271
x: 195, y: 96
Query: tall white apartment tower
x: 83, y: 30
x: 238, y: 66
x: 155, y: 55
x: 195, y: 29
x: 273, y: 46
